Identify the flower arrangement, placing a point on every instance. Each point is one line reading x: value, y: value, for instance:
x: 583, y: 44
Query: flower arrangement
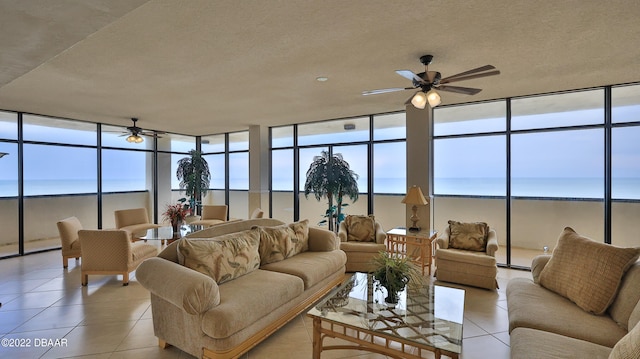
x: 175, y: 213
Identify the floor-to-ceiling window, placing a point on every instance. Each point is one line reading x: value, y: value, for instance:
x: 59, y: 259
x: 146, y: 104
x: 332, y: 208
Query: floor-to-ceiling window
x: 60, y: 177
x: 625, y: 165
x: 469, y: 166
x: 214, y: 151
x: 9, y: 183
x: 238, y: 174
x: 557, y: 169
x: 531, y: 166
x: 376, y: 153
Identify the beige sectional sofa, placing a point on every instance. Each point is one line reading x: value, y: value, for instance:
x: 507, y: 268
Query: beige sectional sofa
x: 545, y: 324
x: 206, y: 319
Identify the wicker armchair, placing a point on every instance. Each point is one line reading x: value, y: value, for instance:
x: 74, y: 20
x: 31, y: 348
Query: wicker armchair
x: 68, y: 229
x: 111, y: 252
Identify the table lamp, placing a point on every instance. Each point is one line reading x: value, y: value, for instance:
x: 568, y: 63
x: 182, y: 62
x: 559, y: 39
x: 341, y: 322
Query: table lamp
x: 414, y: 197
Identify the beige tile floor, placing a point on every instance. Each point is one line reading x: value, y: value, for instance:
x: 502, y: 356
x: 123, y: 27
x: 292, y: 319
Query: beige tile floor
x: 41, y: 301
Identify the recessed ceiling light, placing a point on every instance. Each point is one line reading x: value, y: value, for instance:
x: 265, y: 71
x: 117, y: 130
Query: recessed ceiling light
x: 322, y: 78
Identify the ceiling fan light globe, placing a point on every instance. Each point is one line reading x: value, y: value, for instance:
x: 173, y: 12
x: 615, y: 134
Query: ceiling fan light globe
x: 434, y: 98
x: 419, y: 100
x: 134, y: 139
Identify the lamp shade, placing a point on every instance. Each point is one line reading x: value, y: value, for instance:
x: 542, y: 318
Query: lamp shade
x: 434, y: 98
x: 414, y: 196
x: 419, y: 100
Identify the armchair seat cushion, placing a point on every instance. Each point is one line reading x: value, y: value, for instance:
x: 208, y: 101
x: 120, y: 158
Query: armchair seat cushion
x: 362, y: 247
x: 466, y: 257
x: 208, y: 222
x: 140, y: 252
x: 139, y: 230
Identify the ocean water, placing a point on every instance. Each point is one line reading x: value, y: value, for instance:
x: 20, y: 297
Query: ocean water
x: 623, y: 188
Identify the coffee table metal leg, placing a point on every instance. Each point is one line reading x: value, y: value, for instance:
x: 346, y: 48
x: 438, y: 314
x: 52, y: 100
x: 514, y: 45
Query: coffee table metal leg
x: 317, y: 338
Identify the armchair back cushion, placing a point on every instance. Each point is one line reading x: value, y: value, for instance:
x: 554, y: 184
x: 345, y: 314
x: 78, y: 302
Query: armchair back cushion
x: 360, y: 228
x: 222, y: 258
x: 468, y: 236
x: 586, y: 272
x: 128, y: 217
x: 215, y: 212
x: 257, y: 213
x: 68, y: 229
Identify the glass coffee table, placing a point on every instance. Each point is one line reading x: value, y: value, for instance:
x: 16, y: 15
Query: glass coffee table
x: 163, y: 234
x: 428, y: 318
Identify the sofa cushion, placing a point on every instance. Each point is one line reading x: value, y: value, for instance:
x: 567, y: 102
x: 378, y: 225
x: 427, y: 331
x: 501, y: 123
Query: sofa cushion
x: 536, y: 344
x: 300, y: 240
x: 275, y: 243
x: 311, y: 267
x: 587, y: 272
x: 222, y: 258
x: 360, y: 228
x: 247, y: 299
x: 628, y: 347
x: 468, y: 236
x: 532, y: 306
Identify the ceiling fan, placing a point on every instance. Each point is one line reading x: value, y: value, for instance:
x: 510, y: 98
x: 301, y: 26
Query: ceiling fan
x: 135, y: 133
x: 428, y: 81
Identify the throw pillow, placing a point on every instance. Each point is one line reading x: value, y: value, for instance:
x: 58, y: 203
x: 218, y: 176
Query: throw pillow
x: 360, y: 228
x: 468, y: 236
x: 586, y: 272
x: 275, y: 243
x: 223, y: 258
x: 300, y: 239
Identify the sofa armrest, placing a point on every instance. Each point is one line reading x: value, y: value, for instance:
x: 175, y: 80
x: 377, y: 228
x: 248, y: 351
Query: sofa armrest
x: 492, y: 243
x: 322, y: 240
x: 537, y: 265
x: 443, y: 239
x: 342, y: 232
x: 185, y: 288
x: 381, y: 235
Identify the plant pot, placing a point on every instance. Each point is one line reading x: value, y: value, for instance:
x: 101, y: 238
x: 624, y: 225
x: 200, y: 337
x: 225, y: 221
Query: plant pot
x: 392, y: 299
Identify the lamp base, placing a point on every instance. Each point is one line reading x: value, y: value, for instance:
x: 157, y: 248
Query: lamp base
x: 414, y: 229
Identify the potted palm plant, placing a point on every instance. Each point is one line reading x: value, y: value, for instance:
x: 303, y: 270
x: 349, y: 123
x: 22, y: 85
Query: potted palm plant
x: 393, y: 272
x: 330, y: 176
x: 194, y: 176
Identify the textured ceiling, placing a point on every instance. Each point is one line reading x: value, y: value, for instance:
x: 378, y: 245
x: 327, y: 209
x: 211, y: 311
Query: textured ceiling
x: 203, y: 67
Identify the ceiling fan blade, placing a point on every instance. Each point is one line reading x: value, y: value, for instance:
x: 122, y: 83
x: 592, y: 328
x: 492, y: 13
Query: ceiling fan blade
x: 407, y: 74
x: 472, y: 71
x: 470, y: 77
x: 393, y: 89
x: 458, y: 89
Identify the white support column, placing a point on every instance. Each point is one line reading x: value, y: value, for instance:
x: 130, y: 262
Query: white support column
x: 418, y: 160
x: 258, y: 168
